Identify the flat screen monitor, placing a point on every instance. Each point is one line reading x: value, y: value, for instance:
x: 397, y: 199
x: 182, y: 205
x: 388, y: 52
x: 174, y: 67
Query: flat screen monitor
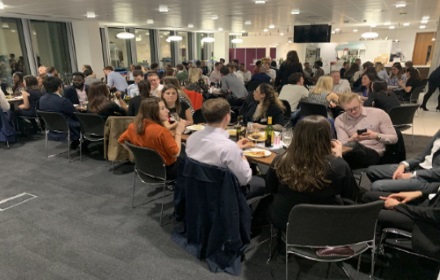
x: 320, y: 33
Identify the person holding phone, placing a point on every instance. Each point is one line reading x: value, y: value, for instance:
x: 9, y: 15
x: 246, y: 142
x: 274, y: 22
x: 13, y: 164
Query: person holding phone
x: 365, y: 130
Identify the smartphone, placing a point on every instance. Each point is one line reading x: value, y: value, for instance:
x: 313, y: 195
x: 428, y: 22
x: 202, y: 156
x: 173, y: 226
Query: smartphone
x: 360, y: 131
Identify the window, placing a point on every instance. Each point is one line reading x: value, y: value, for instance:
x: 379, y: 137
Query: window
x: 119, y: 49
x: 51, y: 45
x: 143, y: 49
x: 13, y: 56
x: 182, y: 47
x: 164, y: 48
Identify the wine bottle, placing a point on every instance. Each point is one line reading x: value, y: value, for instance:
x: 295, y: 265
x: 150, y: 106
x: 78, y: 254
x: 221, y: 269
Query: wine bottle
x: 269, y: 133
x: 238, y: 128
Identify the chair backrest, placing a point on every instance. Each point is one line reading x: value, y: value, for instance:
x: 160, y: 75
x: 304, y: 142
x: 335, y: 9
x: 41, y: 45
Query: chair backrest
x: 288, y: 110
x: 414, y: 98
x: 327, y: 225
x: 403, y: 114
x: 195, y: 98
x: 54, y: 121
x: 91, y: 123
x: 395, y: 153
x: 147, y: 162
x: 309, y: 109
x: 198, y: 117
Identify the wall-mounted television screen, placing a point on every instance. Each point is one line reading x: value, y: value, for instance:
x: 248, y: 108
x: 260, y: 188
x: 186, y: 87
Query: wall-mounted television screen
x: 319, y: 33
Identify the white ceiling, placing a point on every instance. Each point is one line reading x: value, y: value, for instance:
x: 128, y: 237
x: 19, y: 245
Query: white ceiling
x: 232, y: 14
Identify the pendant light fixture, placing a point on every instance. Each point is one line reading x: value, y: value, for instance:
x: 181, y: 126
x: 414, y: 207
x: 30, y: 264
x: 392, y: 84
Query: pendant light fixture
x: 125, y: 35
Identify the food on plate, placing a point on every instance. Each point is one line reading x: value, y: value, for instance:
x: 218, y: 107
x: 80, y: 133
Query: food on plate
x: 255, y: 153
x: 259, y: 136
x: 196, y: 127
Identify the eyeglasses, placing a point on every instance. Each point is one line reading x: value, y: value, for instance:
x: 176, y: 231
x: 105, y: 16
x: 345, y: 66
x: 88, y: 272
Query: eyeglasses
x: 354, y: 109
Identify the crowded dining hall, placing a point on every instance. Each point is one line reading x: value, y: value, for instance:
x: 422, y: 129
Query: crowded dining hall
x: 233, y: 140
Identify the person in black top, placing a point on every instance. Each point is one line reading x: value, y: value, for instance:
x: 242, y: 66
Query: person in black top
x: 135, y: 102
x: 345, y: 67
x: 412, y: 83
x: 99, y: 101
x: 178, y: 109
x: 31, y: 96
x: 433, y: 84
x: 311, y: 170
x: 287, y: 68
x: 382, y: 98
x: 268, y: 105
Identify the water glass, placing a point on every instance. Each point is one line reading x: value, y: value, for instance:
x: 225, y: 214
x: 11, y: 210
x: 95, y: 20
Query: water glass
x: 287, y: 135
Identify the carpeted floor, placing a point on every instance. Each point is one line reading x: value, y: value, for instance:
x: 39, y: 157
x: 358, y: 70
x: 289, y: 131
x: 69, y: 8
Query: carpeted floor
x: 81, y: 226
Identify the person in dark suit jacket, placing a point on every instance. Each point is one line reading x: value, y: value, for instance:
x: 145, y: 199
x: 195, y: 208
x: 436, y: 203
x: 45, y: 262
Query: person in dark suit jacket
x: 382, y: 98
x: 417, y: 212
x: 52, y: 101
x: 78, y: 91
x: 421, y: 173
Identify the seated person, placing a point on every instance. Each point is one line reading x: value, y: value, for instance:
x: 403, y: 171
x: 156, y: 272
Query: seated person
x: 382, y: 98
x: 268, y: 106
x: 233, y: 89
x: 182, y: 94
x: 178, y: 109
x: 148, y: 131
x: 294, y: 90
x: 52, y: 101
x: 99, y: 101
x: 90, y: 77
x: 397, y: 77
x: 339, y: 85
x: 18, y: 85
x: 196, y: 82
x: 261, y: 76
x: 319, y: 71
x: 181, y: 75
x: 411, y: 84
x: 311, y: 170
x: 133, y: 89
x: 417, y: 212
x: 4, y: 104
x: 135, y: 102
x: 420, y: 173
x: 322, y: 93
x: 31, y: 96
x: 212, y: 145
x: 77, y: 93
x: 375, y: 128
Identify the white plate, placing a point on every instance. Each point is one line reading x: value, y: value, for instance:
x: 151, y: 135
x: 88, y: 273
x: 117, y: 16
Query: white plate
x: 195, y: 127
x: 261, y: 153
x: 259, y: 139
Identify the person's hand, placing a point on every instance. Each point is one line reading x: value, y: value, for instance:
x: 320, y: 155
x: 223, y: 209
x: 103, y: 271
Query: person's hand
x: 259, y: 126
x: 390, y: 202
x: 405, y: 197
x: 369, y: 135
x: 405, y: 176
x: 244, y: 143
x: 336, y: 148
x: 399, y: 171
x: 118, y: 95
x: 354, y: 138
x: 332, y: 104
x: 180, y: 127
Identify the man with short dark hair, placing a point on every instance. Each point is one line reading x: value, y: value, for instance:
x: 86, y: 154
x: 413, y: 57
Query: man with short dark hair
x: 344, y: 68
x: 215, y: 75
x: 89, y: 79
x: 212, y: 145
x: 232, y: 87
x: 181, y: 75
x: 339, y: 85
x: 294, y: 91
x: 77, y: 93
x: 133, y: 89
x: 115, y: 80
x: 52, y: 101
x: 156, y: 86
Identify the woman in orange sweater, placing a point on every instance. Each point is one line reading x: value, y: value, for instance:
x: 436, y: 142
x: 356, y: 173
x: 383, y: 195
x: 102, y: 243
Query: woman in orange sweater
x: 147, y: 130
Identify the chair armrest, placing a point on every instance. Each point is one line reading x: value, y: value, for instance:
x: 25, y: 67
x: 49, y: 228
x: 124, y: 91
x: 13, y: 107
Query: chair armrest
x: 397, y: 231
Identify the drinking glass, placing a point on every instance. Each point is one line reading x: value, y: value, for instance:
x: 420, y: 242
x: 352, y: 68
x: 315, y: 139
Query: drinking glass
x: 287, y: 135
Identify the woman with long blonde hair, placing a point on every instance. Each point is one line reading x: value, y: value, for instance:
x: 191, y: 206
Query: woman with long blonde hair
x: 311, y: 170
x: 323, y: 93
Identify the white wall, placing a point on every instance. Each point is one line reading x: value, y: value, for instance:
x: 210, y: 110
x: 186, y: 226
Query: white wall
x: 221, y: 46
x: 88, y: 45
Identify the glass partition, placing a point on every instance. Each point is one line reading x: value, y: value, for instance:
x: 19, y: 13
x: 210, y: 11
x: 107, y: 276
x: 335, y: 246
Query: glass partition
x: 118, y: 48
x: 143, y: 49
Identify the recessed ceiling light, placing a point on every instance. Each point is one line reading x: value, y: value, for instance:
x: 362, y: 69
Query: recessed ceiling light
x: 355, y: 30
x: 271, y: 26
x: 163, y: 9
x: 425, y: 17
x: 34, y: 33
x: 150, y: 21
x: 369, y: 35
x: 237, y: 41
x: 433, y: 39
x: 333, y: 32
x: 406, y: 24
x: 392, y: 27
x: 190, y: 25
x: 295, y: 12
x: 290, y: 41
x: 424, y: 21
x: 281, y: 34
x: 2, y: 6
x: 220, y: 29
x: 260, y: 2
x: 248, y: 22
x: 5, y: 25
x: 214, y: 17
x: 265, y: 29
x: 139, y: 38
x: 422, y: 26
x: 337, y: 29
x: 13, y: 30
x: 91, y: 15
x: 387, y: 23
x: 400, y: 4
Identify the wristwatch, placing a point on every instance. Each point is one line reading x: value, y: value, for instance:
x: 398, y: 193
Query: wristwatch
x: 378, y: 137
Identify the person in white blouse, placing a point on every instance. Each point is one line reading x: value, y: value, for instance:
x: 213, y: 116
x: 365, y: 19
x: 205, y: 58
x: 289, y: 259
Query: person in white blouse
x: 247, y: 75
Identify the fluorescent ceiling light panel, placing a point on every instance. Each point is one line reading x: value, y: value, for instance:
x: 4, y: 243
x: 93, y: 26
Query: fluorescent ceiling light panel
x: 265, y: 30
x: 150, y: 21
x: 400, y: 4
x: 163, y: 8
x: 392, y: 27
x: 91, y: 15
x: 422, y: 26
x: 248, y: 22
x: 369, y: 35
x: 260, y: 2
x: 295, y: 12
x: 214, y: 17
x: 190, y: 25
x: 271, y: 26
x: 406, y: 24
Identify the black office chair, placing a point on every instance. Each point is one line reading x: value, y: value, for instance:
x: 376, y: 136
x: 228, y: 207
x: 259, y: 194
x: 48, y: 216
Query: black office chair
x: 150, y: 169
x: 309, y: 109
x: 403, y: 118
x: 55, y: 122
x: 349, y: 228
x: 198, y: 117
x: 92, y: 128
